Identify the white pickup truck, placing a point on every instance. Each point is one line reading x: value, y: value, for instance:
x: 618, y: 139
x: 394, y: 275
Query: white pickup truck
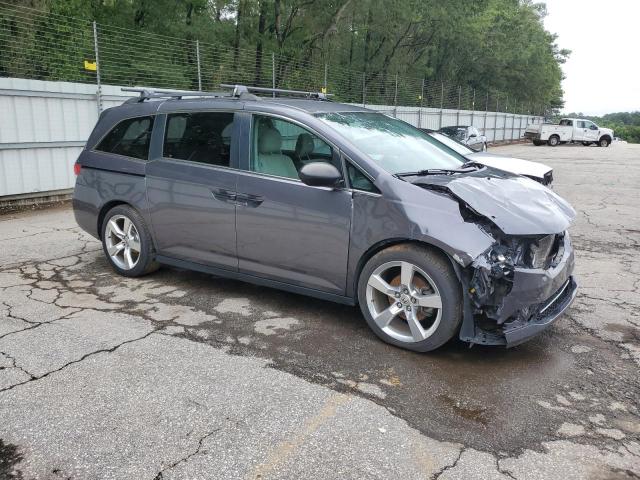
x: 569, y: 130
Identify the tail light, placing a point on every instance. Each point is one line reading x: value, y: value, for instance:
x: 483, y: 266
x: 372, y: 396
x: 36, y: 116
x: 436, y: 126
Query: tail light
x: 76, y: 169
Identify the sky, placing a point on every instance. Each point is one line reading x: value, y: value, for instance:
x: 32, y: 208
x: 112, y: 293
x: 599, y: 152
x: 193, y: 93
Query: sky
x: 603, y: 70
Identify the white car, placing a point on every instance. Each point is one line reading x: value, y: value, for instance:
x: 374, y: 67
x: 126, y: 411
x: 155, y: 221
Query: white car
x: 569, y: 130
x: 536, y: 171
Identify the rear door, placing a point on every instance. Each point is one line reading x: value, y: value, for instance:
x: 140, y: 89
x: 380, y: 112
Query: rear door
x: 191, y: 188
x: 288, y: 231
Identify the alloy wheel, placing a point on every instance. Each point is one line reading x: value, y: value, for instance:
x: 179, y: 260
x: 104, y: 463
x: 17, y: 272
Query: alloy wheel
x: 404, y: 301
x: 122, y: 242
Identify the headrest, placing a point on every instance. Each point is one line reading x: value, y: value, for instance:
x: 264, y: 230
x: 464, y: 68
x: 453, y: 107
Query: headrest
x: 269, y: 141
x: 304, y: 145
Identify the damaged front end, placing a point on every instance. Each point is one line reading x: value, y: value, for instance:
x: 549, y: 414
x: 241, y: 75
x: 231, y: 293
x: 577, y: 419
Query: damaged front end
x: 523, y: 281
x: 517, y: 288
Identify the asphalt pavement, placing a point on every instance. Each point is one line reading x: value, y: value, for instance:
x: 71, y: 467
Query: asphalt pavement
x: 181, y: 375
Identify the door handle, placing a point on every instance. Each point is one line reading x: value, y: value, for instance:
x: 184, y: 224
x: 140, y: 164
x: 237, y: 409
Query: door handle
x: 224, y: 195
x: 249, y: 200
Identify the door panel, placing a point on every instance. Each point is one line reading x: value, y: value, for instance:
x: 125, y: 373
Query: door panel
x: 191, y: 188
x: 294, y: 233
x: 193, y: 211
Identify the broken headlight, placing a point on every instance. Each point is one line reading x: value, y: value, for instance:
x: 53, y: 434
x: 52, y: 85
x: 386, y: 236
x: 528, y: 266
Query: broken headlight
x: 545, y: 251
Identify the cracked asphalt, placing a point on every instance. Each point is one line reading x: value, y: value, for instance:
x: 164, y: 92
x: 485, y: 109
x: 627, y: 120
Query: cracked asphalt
x: 184, y: 375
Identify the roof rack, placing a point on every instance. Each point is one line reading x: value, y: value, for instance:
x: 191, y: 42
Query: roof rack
x: 149, y: 93
x: 238, y: 90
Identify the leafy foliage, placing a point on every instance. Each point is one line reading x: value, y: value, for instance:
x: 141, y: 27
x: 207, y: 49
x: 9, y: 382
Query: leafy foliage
x: 487, y: 45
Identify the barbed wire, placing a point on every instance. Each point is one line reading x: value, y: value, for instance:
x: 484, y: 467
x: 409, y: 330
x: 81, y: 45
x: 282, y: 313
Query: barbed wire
x: 49, y: 46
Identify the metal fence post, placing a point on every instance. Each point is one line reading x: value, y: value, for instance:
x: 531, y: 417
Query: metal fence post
x: 395, y: 99
x: 325, y: 77
x: 486, y: 110
x: 458, y: 111
x: 98, y: 84
x: 420, y: 107
x: 495, y: 122
x: 273, y: 73
x: 513, y: 120
x: 198, y: 60
x: 441, y: 105
x: 473, y: 107
x: 364, y: 79
x: 504, y: 123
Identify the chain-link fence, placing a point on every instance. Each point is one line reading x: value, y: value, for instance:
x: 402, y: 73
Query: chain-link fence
x: 47, y: 46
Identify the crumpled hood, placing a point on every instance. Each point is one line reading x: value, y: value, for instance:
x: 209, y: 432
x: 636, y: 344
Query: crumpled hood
x: 510, y: 164
x: 516, y: 205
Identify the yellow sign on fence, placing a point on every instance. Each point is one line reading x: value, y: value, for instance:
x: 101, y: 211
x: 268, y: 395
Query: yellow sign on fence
x: 90, y: 65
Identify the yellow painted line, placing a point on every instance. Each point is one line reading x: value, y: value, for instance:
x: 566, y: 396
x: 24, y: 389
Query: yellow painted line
x: 286, y: 448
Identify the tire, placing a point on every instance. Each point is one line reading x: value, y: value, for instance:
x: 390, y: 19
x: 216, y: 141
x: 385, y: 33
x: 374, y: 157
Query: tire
x: 484, y: 147
x: 586, y: 144
x: 553, y: 141
x: 537, y: 143
x: 434, y: 297
x: 604, y: 142
x: 124, y: 229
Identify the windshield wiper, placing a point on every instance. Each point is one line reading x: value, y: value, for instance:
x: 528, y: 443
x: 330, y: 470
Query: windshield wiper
x: 437, y: 171
x: 472, y: 163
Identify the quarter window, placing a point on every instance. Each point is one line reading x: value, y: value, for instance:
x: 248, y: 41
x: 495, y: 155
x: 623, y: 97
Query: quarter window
x: 282, y: 148
x: 203, y: 137
x: 130, y: 138
x: 359, y: 180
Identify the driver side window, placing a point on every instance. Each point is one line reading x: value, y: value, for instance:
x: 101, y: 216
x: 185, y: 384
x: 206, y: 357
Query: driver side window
x: 282, y: 148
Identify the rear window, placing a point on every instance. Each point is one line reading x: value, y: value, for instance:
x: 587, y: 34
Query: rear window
x: 130, y: 137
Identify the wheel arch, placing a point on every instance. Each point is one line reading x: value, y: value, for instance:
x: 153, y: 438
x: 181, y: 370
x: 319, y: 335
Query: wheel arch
x: 387, y: 243
x: 108, y: 206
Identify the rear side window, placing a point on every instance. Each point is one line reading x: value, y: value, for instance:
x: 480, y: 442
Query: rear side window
x: 130, y: 138
x: 203, y: 137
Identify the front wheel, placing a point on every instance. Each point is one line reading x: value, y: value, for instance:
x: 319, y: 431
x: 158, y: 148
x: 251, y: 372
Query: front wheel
x: 411, y: 297
x: 127, y: 243
x: 604, y: 142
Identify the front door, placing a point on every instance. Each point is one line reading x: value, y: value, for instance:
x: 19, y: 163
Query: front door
x: 590, y: 131
x: 288, y: 231
x: 191, y: 189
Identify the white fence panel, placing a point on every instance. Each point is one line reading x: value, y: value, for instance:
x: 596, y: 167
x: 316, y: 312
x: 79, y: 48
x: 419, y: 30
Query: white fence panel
x: 44, y: 126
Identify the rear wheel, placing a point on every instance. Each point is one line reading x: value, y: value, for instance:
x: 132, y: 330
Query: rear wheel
x: 604, y: 142
x: 553, y: 141
x: 410, y: 297
x: 537, y: 143
x: 127, y: 243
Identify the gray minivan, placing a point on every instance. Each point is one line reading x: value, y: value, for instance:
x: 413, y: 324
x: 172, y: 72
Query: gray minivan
x: 329, y: 200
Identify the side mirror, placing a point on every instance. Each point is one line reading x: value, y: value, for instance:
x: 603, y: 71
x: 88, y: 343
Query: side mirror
x: 593, y: 127
x: 320, y: 174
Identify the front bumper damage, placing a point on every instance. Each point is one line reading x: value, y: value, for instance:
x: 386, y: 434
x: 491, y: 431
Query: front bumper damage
x: 506, y: 303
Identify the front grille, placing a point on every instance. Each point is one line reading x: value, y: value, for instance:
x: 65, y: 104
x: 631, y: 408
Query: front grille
x: 556, y: 303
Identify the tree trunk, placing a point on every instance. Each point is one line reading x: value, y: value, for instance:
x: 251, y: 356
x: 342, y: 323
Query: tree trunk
x: 262, y: 20
x: 236, y: 40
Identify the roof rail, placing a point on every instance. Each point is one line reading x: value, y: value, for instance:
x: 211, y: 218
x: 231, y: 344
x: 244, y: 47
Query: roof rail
x: 148, y: 93
x: 238, y: 90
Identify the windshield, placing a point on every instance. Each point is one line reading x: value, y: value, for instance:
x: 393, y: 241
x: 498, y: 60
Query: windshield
x: 451, y: 143
x: 393, y: 144
x: 456, y: 132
